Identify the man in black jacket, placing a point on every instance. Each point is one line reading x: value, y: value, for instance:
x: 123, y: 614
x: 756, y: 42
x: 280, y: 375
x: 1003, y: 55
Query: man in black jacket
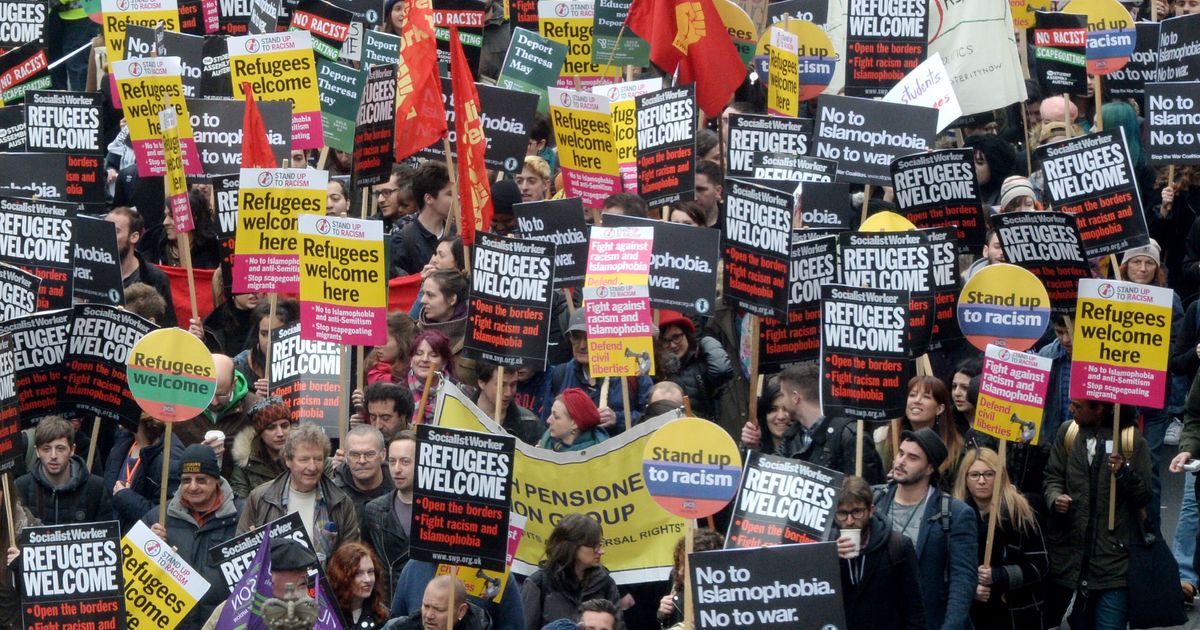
x: 130, y: 224
x: 60, y: 489
x: 387, y: 519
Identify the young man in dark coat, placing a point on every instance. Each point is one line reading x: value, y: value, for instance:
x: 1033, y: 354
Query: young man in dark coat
x: 59, y: 489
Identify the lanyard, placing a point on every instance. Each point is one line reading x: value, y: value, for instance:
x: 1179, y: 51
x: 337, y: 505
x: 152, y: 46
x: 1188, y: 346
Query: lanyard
x: 131, y: 470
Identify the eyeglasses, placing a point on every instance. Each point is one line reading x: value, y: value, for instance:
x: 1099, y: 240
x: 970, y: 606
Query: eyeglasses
x: 384, y: 192
x: 975, y: 475
x: 362, y: 455
x: 855, y: 513
x: 674, y: 339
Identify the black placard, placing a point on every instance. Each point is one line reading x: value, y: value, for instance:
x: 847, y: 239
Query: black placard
x: 23, y: 68
x: 757, y: 242
x: 1047, y: 244
x: 101, y: 337
x: 943, y: 251
x: 22, y: 21
x: 12, y: 128
x: 18, y: 292
x: 772, y: 148
x: 865, y: 352
x: 666, y: 145
x: 71, y: 576
x: 1092, y: 178
x: 901, y: 261
x: 508, y: 314
x: 797, y: 338
x: 217, y: 127
x: 235, y: 554
x: 1060, y: 49
x: 864, y: 136
x: 559, y: 221
x: 884, y: 42
x: 38, y: 237
x: 216, y: 81
x: 683, y: 272
x: 939, y: 189
x: 235, y: 17
x: 39, y: 344
x: 1130, y: 81
x: 97, y: 266
x: 783, y: 501
x: 375, y: 128
x: 505, y: 115
x: 815, y: 11
x: 225, y: 193
x: 461, y: 497
x: 10, y: 412
x: 307, y: 376
x: 64, y: 122
x: 826, y: 205
x: 1179, y: 49
x: 328, y: 23
x: 1172, y: 122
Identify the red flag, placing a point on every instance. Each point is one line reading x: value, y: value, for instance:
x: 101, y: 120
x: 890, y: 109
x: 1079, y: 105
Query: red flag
x: 474, y: 190
x: 256, y: 149
x: 690, y: 36
x: 420, y: 114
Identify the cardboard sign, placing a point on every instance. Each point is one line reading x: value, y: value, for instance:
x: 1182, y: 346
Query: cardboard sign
x: 174, y: 181
x: 666, y: 146
x: 1177, y: 48
x: 692, y: 467
x: 1012, y: 395
x: 884, y: 41
x: 816, y: 54
x: 558, y: 221
x: 235, y: 16
x: 1092, y: 178
x: 900, y: 261
x: 864, y: 136
x: 939, y: 189
x: 797, y: 587
x: 21, y: 22
x: 489, y: 584
x: 375, y: 129
x: 532, y: 64
x: 783, y: 501
x: 928, y: 85
x: 234, y: 555
x: 22, y: 69
x: 139, y: 42
x: 18, y: 292
x: 767, y: 147
x: 341, y: 90
x: 757, y: 242
x: 120, y: 14
x: 144, y: 86
x: 583, y: 131
x: 797, y: 338
x: 343, y: 292
x: 217, y: 128
x: 380, y: 48
x: 281, y: 67
x: 225, y: 193
x: 943, y: 249
x: 37, y: 236
x: 622, y: 98
x: 307, y: 376
x: 161, y: 588
x: 1003, y: 305
x: 1111, y: 36
x: 1130, y: 81
x: 468, y: 16
x: 171, y: 375
x: 71, y: 575
x: 270, y: 203
x: 1048, y: 245
x: 39, y: 342
x: 865, y: 354
x: 1122, y: 340
x: 12, y: 128
x: 63, y: 122
x: 461, y: 497
x: 10, y: 410
x: 508, y: 315
x: 617, y: 302
x: 101, y: 338
x: 1060, y: 48
x: 1173, y: 123
x: 199, y: 17
x: 328, y: 23
x: 216, y: 78
x: 569, y: 22
x: 783, y: 79
x: 613, y: 44
x: 682, y: 276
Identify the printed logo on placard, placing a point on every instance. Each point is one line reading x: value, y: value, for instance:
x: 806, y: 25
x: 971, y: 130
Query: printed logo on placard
x: 701, y: 306
x: 123, y: 5
x: 1004, y: 354
x: 152, y: 548
x: 565, y: 99
x: 252, y: 45
x: 560, y: 10
x: 264, y: 178
x: 135, y: 69
x: 1106, y: 290
x: 323, y: 226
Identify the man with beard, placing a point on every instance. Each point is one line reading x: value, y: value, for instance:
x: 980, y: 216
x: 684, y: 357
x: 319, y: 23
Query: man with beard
x: 942, y: 529
x: 134, y: 268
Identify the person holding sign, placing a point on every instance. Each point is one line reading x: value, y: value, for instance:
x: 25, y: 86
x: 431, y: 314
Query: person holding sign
x: 430, y: 361
x: 257, y: 450
x: 571, y: 573
x: 134, y: 469
x: 574, y: 423
x: 1009, y: 593
x: 766, y: 433
x: 134, y: 268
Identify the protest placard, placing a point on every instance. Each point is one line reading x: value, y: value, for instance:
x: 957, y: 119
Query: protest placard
x: 864, y: 136
x: 466, y: 15
x: 1012, y: 395
x: 71, y: 576
x: 617, y: 302
x: 1060, y: 48
x: 340, y: 89
x: 884, y: 41
x: 1122, y: 340
x: 783, y: 501
x: 375, y: 129
x: 666, y: 145
x: 37, y: 237
x: 217, y: 129
x: 12, y: 128
x: 1179, y: 49
x: 120, y: 14
x: 18, y: 292
x: 583, y: 131
x: 682, y: 276
x: 101, y: 337
x: 757, y: 238
x: 783, y: 78
x: 171, y: 375
x: 928, y: 85
x: 558, y: 221
x: 901, y: 261
x: 21, y: 22
x: 816, y: 53
x: 1172, y: 122
x: 1092, y: 178
x: 865, y: 352
x: 160, y: 587
x: 63, y: 122
x: 270, y: 203
x: 380, y: 48
x: 235, y: 17
x: 234, y: 555
x: 608, y: 483
x: 508, y: 314
x: 1130, y: 81
x: 225, y: 193
x: 692, y: 467
x: 264, y: 17
x: 461, y: 497
x: 11, y: 452
x: 815, y: 11
x: 797, y: 587
x: 505, y: 115
x: 281, y: 67
x: 23, y: 68
x: 145, y: 86
x: 622, y: 101
x: 532, y: 64
x: 944, y: 249
x: 940, y: 189
x: 612, y: 44
x: 328, y: 23
x: 768, y: 147
x: 569, y: 22
x: 1003, y: 305
x: 39, y: 343
x: 43, y: 175
x: 1048, y: 245
x: 489, y: 584
x: 307, y: 376
x: 199, y: 17
x: 797, y: 338
x: 174, y: 181
x: 1110, y: 34
x: 826, y: 205
x: 343, y: 293
x: 139, y: 42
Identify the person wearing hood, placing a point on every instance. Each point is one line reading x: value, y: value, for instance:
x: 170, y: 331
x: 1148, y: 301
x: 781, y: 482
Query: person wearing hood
x: 881, y: 588
x: 59, y: 489
x: 570, y: 574
x: 228, y: 414
x: 134, y: 470
x: 202, y: 514
x: 574, y: 423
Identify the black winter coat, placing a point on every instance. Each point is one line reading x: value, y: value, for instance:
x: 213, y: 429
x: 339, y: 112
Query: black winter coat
x: 142, y: 495
x: 833, y: 446
x: 701, y: 373
x: 382, y: 532
x: 546, y: 599
x: 881, y: 588
x: 83, y: 499
x: 1019, y: 566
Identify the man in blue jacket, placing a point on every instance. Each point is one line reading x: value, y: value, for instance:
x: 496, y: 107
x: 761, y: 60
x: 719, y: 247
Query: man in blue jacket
x: 943, y: 529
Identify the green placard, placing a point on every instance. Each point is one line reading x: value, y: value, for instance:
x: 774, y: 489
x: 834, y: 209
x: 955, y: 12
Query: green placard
x: 340, y: 89
x: 380, y: 48
x: 631, y: 50
x: 531, y: 64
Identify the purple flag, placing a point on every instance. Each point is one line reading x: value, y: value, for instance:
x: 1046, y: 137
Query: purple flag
x: 243, y: 609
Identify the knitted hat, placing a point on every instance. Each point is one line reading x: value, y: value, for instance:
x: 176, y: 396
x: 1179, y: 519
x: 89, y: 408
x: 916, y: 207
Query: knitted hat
x: 1151, y: 251
x: 675, y: 318
x: 267, y: 411
x: 931, y: 443
x: 1014, y: 188
x: 199, y: 458
x: 505, y: 194
x: 581, y: 408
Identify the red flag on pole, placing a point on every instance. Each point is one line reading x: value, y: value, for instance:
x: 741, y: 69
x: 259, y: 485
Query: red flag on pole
x: 690, y: 36
x: 420, y: 114
x: 256, y: 149
x: 474, y: 190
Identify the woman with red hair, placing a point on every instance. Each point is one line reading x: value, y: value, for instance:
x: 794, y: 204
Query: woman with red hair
x: 353, y: 574
x: 574, y: 423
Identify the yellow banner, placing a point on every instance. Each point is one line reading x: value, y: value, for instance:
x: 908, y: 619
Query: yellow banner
x: 119, y: 14
x: 604, y: 482
x: 160, y: 588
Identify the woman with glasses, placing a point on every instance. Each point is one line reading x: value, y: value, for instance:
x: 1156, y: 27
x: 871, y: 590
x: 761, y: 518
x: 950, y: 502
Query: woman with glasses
x: 256, y: 450
x: 697, y: 363
x: 570, y: 574
x: 1009, y: 592
x: 880, y: 585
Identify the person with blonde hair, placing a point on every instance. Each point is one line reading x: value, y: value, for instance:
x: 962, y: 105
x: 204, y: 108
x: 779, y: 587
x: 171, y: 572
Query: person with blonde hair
x: 534, y: 179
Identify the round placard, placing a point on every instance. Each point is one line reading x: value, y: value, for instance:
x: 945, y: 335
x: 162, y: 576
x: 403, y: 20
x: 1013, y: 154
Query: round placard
x: 1111, y: 34
x: 1003, y: 305
x: 691, y: 467
x: 171, y: 375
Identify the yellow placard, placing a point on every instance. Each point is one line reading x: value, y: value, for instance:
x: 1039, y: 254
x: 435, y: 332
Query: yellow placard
x: 1121, y: 342
x: 145, y: 86
x: 1022, y: 12
x: 176, y: 182
x: 119, y: 14
x: 604, y: 482
x: 569, y: 22
x: 270, y: 202
x: 1012, y: 395
x: 160, y: 588
x: 692, y: 467
x: 587, y: 148
x: 343, y: 282
x: 886, y: 221
x: 281, y: 67
x: 783, y: 74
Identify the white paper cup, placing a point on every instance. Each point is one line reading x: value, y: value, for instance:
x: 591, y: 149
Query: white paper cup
x: 214, y: 436
x: 854, y: 535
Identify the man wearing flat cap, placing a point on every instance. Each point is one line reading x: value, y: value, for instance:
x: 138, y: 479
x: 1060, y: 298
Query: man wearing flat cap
x: 290, y: 606
x: 942, y: 529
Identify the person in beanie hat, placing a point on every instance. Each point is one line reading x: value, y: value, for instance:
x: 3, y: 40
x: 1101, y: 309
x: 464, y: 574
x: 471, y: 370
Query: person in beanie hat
x: 258, y: 450
x: 1017, y: 195
x: 203, y: 513
x: 942, y: 529
x: 574, y: 423
x: 697, y: 363
x: 505, y: 195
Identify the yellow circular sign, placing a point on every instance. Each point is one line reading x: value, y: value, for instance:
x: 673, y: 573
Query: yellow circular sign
x: 1003, y: 305
x: 1022, y: 12
x: 171, y: 375
x: 886, y: 221
x: 691, y: 467
x: 1111, y: 34
x: 740, y: 26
